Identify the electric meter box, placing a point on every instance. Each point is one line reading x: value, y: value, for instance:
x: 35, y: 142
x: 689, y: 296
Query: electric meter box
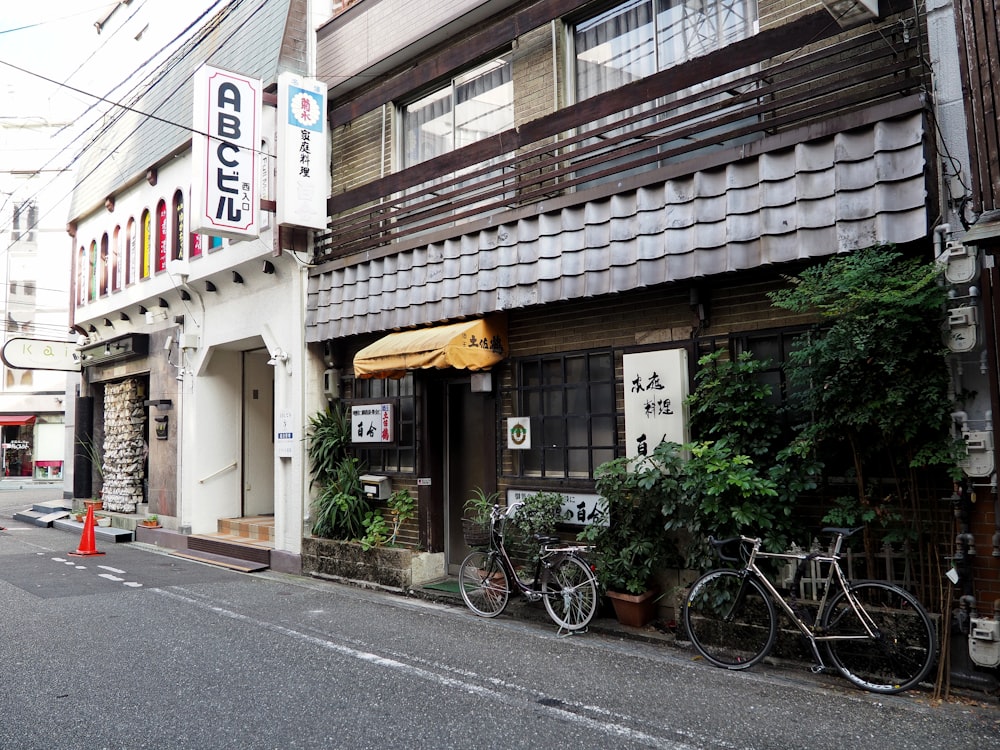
x: 984, y: 641
x: 376, y: 487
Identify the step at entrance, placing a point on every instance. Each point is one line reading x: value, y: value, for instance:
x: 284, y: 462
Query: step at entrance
x: 240, y: 544
x: 233, y: 563
x: 45, y: 513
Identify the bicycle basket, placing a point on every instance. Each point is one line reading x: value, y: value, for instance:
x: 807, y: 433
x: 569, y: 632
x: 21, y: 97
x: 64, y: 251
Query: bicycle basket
x: 476, y: 534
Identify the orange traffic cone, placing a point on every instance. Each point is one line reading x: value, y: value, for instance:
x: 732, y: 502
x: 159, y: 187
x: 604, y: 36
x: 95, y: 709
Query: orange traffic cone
x: 88, y: 545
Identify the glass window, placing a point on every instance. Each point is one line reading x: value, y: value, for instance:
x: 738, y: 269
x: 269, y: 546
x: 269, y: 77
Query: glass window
x: 92, y: 263
x: 144, y: 246
x: 116, y: 264
x: 103, y: 266
x: 25, y: 221
x: 470, y: 107
x: 162, y: 235
x: 131, y: 254
x: 773, y: 347
x: 640, y: 37
x: 570, y: 401
x: 177, y: 241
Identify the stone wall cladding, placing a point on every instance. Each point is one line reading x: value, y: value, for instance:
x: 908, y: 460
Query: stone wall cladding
x: 124, y: 446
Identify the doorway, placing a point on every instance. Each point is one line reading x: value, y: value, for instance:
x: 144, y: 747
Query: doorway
x: 258, y: 434
x: 469, y: 459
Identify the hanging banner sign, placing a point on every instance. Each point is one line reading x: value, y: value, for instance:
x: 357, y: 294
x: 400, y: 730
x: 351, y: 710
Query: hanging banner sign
x: 303, y: 172
x: 656, y: 387
x: 40, y: 354
x: 225, y: 186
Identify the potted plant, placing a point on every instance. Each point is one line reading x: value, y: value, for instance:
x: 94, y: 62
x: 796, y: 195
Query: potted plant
x: 537, y: 515
x: 629, y: 539
x: 340, y: 508
x: 476, y: 523
x: 151, y: 521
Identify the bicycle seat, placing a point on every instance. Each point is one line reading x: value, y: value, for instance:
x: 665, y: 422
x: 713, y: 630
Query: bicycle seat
x: 543, y: 539
x: 843, y: 532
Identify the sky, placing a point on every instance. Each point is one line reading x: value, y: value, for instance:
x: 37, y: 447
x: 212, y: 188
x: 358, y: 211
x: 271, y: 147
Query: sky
x: 44, y: 43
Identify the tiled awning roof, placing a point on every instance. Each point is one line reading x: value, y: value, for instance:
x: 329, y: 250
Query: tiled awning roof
x: 829, y: 195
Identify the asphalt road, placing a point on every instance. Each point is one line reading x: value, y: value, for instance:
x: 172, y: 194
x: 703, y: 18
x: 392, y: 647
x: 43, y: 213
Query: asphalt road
x: 139, y: 649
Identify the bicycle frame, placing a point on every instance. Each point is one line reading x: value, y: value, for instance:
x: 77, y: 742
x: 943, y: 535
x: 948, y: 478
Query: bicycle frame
x: 546, y: 555
x: 835, y: 576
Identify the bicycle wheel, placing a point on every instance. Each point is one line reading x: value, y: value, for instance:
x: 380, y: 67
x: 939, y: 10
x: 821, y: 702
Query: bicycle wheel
x: 906, y: 646
x: 483, y: 584
x: 570, y: 593
x: 730, y: 619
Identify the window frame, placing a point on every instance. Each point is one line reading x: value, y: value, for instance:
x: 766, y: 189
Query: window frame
x: 402, y: 107
x: 545, y: 462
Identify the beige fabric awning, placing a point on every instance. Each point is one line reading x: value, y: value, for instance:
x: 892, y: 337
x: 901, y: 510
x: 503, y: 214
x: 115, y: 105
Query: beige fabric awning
x: 469, y: 345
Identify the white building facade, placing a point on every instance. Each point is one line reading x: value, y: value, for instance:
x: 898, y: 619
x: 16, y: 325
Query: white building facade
x: 193, y: 381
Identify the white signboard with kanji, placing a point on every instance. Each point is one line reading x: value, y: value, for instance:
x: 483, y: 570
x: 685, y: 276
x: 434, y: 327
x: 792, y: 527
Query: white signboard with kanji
x: 371, y: 423
x: 656, y: 386
x: 303, y: 171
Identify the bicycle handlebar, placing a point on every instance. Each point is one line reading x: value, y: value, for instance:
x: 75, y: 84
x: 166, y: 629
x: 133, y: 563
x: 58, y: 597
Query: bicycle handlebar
x: 718, y: 544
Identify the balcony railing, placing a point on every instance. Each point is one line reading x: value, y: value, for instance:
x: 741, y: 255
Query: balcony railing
x: 647, y: 130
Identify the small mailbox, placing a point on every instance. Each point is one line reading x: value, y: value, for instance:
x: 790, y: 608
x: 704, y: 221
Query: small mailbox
x: 376, y: 487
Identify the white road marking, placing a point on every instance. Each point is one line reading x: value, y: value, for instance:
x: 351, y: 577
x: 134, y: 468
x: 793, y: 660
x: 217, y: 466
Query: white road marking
x: 606, y: 727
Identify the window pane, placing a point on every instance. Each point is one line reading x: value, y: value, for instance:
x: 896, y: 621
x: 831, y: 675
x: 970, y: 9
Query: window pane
x: 531, y: 462
x: 602, y: 398
x: 603, y: 431
x: 601, y: 367
x: 531, y: 374
x: 555, y: 465
x: 552, y: 372
x: 484, y: 102
x: 615, y: 48
x: 552, y: 432
x: 603, y: 456
x: 576, y: 400
x: 553, y: 401
x: 577, y: 429
x: 576, y: 370
x: 428, y: 127
x: 579, y: 462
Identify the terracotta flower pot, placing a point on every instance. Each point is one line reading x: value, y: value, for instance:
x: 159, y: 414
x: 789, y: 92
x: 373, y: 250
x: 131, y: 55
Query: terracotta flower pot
x: 634, y: 610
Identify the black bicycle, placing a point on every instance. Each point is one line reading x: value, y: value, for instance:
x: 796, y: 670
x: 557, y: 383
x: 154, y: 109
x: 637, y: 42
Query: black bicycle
x: 876, y: 634
x: 563, y: 579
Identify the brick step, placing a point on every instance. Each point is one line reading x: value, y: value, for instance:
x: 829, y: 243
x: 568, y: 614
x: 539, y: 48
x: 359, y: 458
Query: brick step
x: 253, y: 528
x: 228, y: 547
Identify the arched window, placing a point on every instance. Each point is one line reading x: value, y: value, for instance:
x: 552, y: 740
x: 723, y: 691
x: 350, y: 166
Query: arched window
x: 177, y: 244
x: 145, y: 239
x: 116, y: 264
x: 102, y: 267
x: 131, y: 256
x: 92, y: 273
x: 161, y: 236
x: 81, y: 276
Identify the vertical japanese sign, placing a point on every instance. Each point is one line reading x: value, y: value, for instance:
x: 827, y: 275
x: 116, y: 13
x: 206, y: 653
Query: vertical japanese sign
x: 656, y: 385
x: 371, y: 423
x: 284, y: 437
x: 225, y: 190
x: 303, y: 172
